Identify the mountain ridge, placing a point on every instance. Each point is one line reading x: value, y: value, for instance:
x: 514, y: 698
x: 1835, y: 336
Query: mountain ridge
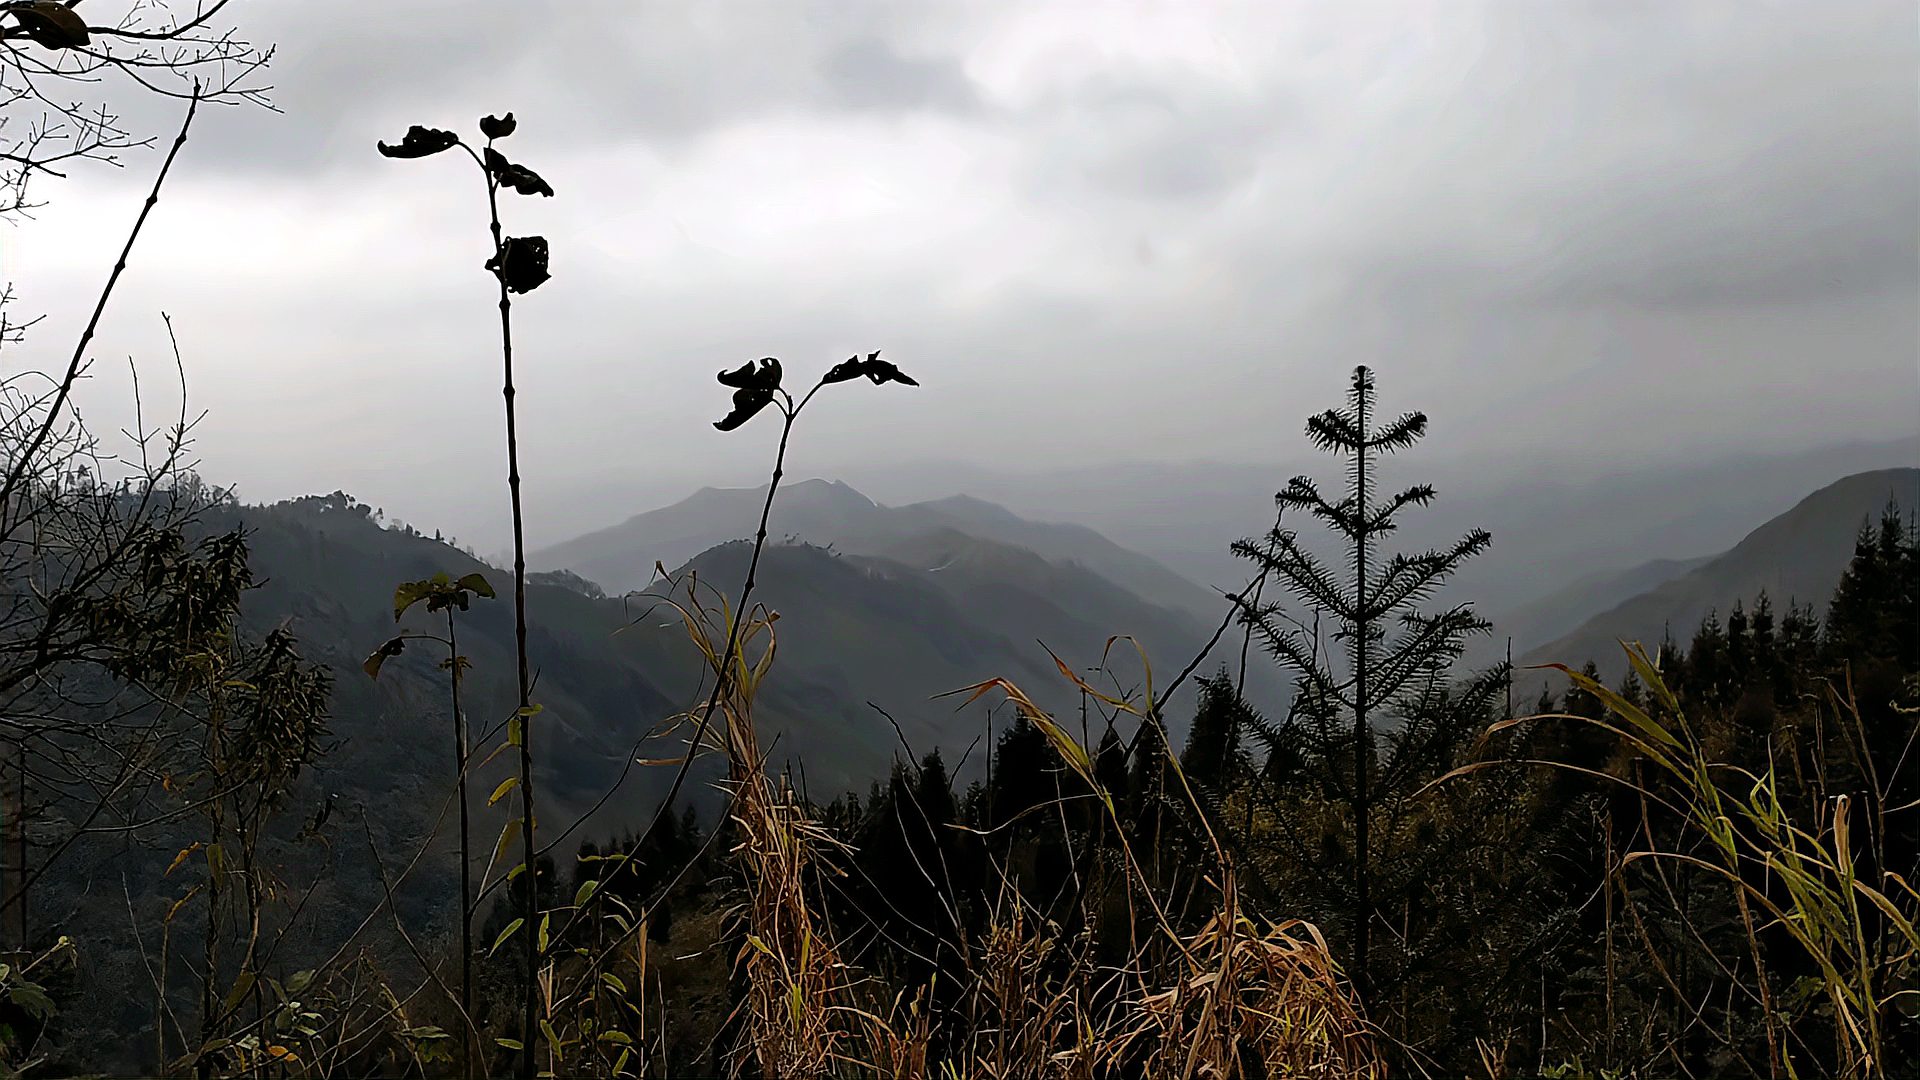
x: 832, y: 513
x: 1795, y: 557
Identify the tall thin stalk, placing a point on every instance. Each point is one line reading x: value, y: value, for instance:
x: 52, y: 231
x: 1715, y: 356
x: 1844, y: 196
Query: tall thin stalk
x: 519, y: 264
x: 461, y: 751
x: 1362, y: 706
x: 442, y: 593
x: 531, y: 910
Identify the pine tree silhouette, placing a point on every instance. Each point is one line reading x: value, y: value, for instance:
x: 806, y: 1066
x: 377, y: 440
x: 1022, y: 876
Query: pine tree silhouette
x: 1339, y: 711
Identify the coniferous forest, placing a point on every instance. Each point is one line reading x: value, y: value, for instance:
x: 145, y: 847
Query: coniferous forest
x: 294, y: 790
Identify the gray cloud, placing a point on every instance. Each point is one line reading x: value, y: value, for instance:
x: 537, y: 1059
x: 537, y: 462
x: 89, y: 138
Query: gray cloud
x: 868, y: 73
x: 1162, y: 233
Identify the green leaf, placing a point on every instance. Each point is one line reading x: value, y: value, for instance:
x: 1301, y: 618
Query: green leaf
x: 516, y: 732
x: 505, y: 934
x: 618, y: 1038
x: 545, y: 922
x: 299, y: 981
x: 408, y: 594
x: 476, y: 584
x: 497, y: 127
x: 508, y: 1044
x: 613, y: 980
x: 33, y: 999
x: 240, y: 987
x: 501, y: 792
x: 585, y: 892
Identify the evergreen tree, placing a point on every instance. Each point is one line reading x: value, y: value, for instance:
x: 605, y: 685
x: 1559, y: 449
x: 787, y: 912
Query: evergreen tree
x: 1706, y: 666
x: 1762, y: 634
x: 1022, y: 776
x: 1876, y: 609
x: 1739, y: 651
x: 1213, y: 743
x: 1399, y: 684
x: 1800, y: 639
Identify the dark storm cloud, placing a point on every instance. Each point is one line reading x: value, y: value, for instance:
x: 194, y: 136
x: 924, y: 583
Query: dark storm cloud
x: 592, y: 70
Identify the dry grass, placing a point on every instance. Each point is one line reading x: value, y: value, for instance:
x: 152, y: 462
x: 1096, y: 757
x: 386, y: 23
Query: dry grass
x: 1236, y: 998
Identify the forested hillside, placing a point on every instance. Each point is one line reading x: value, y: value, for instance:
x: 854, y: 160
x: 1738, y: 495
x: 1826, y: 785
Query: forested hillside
x: 1793, y: 561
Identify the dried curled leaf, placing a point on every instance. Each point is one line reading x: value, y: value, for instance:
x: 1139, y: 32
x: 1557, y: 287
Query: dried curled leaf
x: 421, y: 142
x: 521, y: 263
x: 518, y: 177
x: 50, y: 24
x: 874, y: 368
x: 379, y: 656
x: 765, y: 376
x: 497, y: 127
x: 754, y: 385
x: 746, y: 402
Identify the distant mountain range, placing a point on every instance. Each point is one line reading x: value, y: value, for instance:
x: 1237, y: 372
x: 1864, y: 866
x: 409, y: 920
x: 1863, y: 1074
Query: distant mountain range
x: 831, y: 514
x: 1797, y: 556
x: 1551, y: 528
x: 882, y: 608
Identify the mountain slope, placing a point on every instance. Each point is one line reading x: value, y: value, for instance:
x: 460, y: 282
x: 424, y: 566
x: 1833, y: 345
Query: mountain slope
x: 830, y: 513
x: 1550, y: 617
x: 1796, y: 557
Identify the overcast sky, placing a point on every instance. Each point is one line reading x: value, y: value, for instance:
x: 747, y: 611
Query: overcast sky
x: 1094, y: 231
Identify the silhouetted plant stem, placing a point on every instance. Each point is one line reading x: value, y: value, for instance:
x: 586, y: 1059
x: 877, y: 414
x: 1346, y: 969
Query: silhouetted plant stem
x: 1362, y: 729
x: 460, y: 753
x: 531, y: 909
x: 519, y: 264
x: 792, y: 413
x: 875, y: 370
